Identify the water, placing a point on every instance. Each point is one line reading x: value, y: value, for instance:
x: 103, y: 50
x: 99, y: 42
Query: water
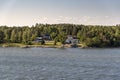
x: 59, y: 64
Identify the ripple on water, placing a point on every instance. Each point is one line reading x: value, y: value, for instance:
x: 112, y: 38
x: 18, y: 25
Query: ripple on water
x: 55, y: 64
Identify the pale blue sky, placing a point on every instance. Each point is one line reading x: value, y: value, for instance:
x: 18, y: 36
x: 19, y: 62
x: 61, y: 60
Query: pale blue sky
x: 88, y: 12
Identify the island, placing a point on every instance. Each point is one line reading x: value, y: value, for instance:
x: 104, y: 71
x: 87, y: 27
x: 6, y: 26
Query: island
x: 60, y: 35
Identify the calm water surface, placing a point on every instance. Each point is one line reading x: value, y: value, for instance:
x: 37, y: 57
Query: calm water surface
x: 59, y: 64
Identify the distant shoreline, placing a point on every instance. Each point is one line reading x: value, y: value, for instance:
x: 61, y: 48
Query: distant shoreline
x: 19, y: 45
x: 5, y: 45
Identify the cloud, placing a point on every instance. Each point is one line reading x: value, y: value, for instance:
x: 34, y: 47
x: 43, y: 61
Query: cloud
x: 45, y: 19
x: 87, y: 20
x: 64, y: 19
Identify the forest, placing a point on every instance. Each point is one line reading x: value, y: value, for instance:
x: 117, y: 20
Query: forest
x: 90, y: 35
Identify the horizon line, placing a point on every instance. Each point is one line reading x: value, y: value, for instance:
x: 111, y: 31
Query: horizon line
x: 60, y: 23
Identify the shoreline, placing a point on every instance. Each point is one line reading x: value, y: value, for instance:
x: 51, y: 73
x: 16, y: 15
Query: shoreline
x: 20, y: 45
x: 5, y: 45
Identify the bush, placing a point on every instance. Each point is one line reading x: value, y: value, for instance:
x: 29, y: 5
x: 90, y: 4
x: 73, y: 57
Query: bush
x: 42, y: 42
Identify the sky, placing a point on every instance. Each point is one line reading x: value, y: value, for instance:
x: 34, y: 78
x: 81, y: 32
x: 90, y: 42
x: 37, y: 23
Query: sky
x: 87, y: 12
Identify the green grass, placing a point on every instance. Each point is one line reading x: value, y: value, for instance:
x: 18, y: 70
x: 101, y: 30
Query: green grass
x: 48, y: 44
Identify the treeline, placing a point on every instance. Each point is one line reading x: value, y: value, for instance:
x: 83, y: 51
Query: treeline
x: 92, y: 36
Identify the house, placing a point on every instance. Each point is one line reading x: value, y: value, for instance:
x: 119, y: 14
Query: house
x: 69, y: 39
x: 43, y: 37
x: 38, y: 39
x: 46, y: 37
x: 73, y: 40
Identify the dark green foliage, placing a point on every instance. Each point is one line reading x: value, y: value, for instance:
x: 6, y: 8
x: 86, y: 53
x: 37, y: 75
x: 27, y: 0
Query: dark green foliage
x: 42, y: 42
x: 93, y: 36
x: 1, y: 36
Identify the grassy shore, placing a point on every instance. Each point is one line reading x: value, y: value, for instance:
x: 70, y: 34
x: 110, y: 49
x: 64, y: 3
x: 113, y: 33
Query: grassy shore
x: 48, y: 44
x: 26, y: 46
